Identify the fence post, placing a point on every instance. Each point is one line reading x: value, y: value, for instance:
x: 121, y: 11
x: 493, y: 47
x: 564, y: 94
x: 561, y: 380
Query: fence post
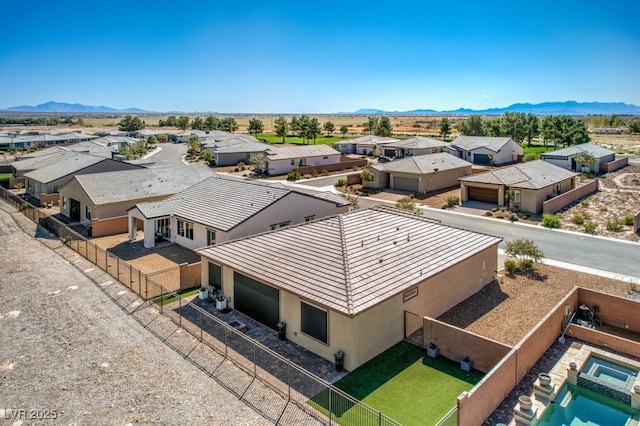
x: 130, y: 275
x: 139, y: 283
x: 161, y: 299
x: 254, y: 360
x: 180, y: 310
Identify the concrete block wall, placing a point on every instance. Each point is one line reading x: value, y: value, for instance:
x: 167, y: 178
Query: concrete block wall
x: 562, y: 200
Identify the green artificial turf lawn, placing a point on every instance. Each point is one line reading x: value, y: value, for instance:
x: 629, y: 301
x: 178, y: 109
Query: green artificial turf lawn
x: 320, y: 140
x: 408, y: 386
x: 165, y: 300
x: 6, y: 176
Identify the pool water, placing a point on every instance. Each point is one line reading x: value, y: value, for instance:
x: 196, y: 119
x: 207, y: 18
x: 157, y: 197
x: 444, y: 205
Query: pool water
x: 580, y: 407
x: 610, y: 372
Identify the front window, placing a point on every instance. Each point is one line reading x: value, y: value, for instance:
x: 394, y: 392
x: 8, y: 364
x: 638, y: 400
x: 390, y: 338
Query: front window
x: 64, y: 202
x: 87, y: 212
x: 163, y: 228
x: 313, y: 322
x: 185, y: 229
x: 211, y: 237
x: 515, y: 196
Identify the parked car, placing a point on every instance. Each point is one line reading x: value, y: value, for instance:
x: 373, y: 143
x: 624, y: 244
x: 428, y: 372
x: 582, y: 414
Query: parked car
x: 384, y: 159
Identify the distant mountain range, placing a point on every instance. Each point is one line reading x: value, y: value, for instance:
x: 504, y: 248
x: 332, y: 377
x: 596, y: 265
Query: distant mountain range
x: 69, y: 108
x: 546, y: 108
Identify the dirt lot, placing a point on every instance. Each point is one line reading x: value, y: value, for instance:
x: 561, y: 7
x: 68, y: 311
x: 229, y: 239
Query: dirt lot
x: 69, y: 352
x: 507, y: 312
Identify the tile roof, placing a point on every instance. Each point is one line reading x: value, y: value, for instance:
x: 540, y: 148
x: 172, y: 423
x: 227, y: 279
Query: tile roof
x: 418, y: 142
x: 422, y: 164
x: 298, y: 151
x: 530, y: 175
x: 369, y: 140
x: 338, y: 199
x: 236, y: 143
x: 352, y: 261
x: 469, y: 143
x: 137, y: 184
x: 570, y: 151
x: 68, y: 164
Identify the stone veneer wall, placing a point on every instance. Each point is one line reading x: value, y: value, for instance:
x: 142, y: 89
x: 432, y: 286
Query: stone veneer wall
x: 602, y: 387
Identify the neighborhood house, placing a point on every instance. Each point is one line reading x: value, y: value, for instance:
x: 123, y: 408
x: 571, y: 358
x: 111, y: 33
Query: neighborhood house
x: 343, y: 283
x: 282, y: 160
x: 486, y: 150
x: 566, y: 157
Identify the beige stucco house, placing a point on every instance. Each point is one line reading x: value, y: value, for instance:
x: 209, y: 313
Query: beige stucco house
x: 221, y: 209
x: 419, y: 174
x: 486, y: 150
x: 343, y: 283
x: 228, y: 149
x: 417, y: 145
x: 364, y: 145
x: 108, y: 196
x: 528, y: 185
x: 566, y: 157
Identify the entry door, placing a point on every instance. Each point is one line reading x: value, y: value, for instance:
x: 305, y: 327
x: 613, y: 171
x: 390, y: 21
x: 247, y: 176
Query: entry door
x: 74, y: 210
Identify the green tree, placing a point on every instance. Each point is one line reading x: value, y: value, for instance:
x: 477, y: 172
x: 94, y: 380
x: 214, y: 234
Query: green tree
x: 354, y: 200
x: 197, y: 124
x: 492, y: 127
x: 384, y: 127
x: 366, y: 176
x: 163, y: 138
x: 585, y: 159
x: 193, y: 147
x: 328, y: 127
x: 256, y: 126
x: 228, y: 124
x: 211, y: 123
x: 344, y: 130
x: 370, y: 125
x: 295, y: 126
x: 408, y: 203
x: 130, y: 124
x: 182, y: 122
x: 206, y: 155
x: 302, y: 127
x: 513, y: 125
x: 525, y: 251
x: 258, y: 160
x: 445, y: 127
x: 634, y: 126
x: 281, y: 127
x: 152, y: 140
x: 313, y: 130
x: 531, y: 127
x: 472, y: 126
x: 563, y: 130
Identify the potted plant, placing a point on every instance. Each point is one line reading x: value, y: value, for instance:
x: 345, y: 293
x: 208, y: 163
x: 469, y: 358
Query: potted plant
x: 204, y: 293
x: 466, y: 363
x: 221, y: 301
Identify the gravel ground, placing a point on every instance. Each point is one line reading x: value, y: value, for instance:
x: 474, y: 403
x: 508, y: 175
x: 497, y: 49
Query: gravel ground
x: 68, y: 351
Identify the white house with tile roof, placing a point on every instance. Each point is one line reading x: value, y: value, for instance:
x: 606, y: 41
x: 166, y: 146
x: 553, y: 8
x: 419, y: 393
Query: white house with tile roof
x: 417, y: 145
x: 364, y: 145
x: 486, y: 150
x: 343, y: 283
x: 222, y: 209
x: 282, y: 160
x: 566, y: 157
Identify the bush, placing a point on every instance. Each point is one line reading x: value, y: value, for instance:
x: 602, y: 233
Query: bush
x: 495, y: 209
x: 354, y: 168
x: 340, y: 182
x: 578, y: 218
x: 500, y: 216
x: 551, y: 220
x: 325, y: 172
x: 590, y: 227
x: 511, y: 266
x: 513, y: 217
x: 628, y: 220
x: 452, y: 200
x: 236, y: 170
x: 615, y: 225
x: 585, y: 203
x: 530, y: 156
x: 314, y: 173
x: 488, y: 213
x: 293, y: 175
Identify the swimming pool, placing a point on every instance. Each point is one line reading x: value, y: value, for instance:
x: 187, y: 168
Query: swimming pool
x: 576, y: 406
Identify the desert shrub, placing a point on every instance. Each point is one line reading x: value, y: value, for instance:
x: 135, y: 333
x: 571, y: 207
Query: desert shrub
x: 590, y: 227
x: 530, y: 156
x: 525, y: 251
x: 551, y: 220
x: 628, y: 220
x: 585, y: 203
x: 314, y: 173
x: 293, y: 175
x: 513, y: 217
x: 325, y: 172
x: 340, y: 182
x: 635, y: 181
x: 488, y: 213
x: 236, y: 170
x: 511, y: 266
x: 241, y: 164
x: 495, y: 209
x: 452, y: 200
x: 500, y: 216
x: 615, y: 225
x: 577, y: 218
x: 603, y: 209
x: 354, y: 168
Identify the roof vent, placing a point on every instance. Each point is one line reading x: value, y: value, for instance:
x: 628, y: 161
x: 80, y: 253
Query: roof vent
x: 381, y: 259
x: 408, y: 237
x: 361, y: 243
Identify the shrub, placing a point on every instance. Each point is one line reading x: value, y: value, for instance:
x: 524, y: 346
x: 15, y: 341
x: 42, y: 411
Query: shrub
x: 577, y: 218
x: 513, y: 217
x: 314, y: 173
x: 511, y: 266
x: 500, y: 216
x: 495, y: 209
x: 628, y: 220
x: 615, y: 225
x: 530, y: 156
x: 525, y: 251
x: 585, y: 203
x: 452, y: 200
x: 340, y: 182
x: 236, y: 170
x: 354, y: 168
x: 293, y: 175
x: 488, y: 213
x: 325, y: 172
x: 551, y: 220
x: 590, y: 227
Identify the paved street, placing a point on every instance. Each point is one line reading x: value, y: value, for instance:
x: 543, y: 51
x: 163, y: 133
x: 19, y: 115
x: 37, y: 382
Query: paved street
x: 169, y: 154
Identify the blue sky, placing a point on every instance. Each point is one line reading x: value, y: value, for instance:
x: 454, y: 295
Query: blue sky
x: 318, y: 57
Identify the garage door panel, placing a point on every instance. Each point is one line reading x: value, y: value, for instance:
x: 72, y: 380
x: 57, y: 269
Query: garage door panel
x: 256, y: 300
x: 482, y: 159
x: 485, y: 195
x: 405, y: 184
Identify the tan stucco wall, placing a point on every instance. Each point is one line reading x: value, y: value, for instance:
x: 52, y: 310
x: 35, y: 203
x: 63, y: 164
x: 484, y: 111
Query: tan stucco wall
x: 532, y: 199
x: 373, y: 331
x: 380, y: 179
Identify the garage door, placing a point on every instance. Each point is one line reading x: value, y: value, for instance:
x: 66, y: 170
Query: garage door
x: 486, y: 195
x: 482, y: 159
x: 256, y: 300
x: 405, y: 184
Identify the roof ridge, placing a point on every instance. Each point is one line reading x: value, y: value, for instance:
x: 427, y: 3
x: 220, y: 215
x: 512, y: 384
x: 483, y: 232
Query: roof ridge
x: 345, y: 266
